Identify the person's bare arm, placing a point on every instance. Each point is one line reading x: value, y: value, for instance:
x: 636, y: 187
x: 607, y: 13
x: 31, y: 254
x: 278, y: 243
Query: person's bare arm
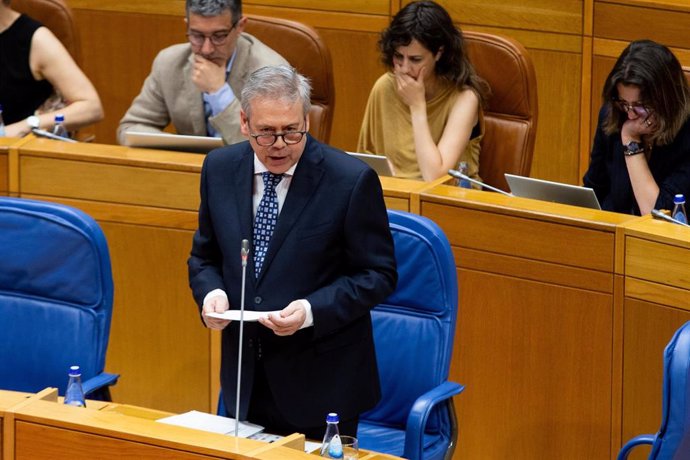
x: 50, y: 60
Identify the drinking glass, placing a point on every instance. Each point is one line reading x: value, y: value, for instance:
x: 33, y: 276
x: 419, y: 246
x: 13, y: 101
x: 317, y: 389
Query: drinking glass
x: 350, y: 447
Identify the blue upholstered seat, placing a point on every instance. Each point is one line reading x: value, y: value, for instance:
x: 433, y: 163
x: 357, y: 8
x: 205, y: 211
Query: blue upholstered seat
x: 672, y: 442
x: 413, y: 332
x: 56, y: 297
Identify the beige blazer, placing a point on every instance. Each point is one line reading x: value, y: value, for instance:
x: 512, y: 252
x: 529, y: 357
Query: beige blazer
x: 169, y: 95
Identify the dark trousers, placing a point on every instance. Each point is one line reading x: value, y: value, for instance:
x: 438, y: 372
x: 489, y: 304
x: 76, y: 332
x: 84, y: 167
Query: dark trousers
x: 263, y: 411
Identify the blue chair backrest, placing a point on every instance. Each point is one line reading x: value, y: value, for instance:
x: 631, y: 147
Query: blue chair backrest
x: 56, y: 294
x: 674, y: 435
x: 414, y: 328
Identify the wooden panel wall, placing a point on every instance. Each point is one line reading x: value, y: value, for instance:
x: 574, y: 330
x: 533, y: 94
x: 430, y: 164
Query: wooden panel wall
x: 530, y: 372
x: 657, y: 289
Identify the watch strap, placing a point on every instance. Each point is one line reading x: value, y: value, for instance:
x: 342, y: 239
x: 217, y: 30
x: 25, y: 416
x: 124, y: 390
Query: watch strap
x: 633, y: 148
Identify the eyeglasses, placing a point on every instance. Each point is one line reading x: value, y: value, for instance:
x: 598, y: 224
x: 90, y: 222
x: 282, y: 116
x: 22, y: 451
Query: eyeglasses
x: 289, y: 137
x: 217, y: 38
x: 641, y: 110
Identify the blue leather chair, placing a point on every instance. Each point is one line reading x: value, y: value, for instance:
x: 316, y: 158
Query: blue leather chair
x: 672, y: 442
x: 413, y: 332
x: 56, y: 298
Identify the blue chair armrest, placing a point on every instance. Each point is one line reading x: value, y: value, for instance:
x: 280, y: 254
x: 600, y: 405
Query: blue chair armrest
x: 636, y: 441
x: 100, y: 381
x: 416, y: 421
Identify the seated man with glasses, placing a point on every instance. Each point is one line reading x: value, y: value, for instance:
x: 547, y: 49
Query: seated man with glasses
x: 196, y: 85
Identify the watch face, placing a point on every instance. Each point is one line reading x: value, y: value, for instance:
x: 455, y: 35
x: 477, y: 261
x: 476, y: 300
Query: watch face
x: 633, y: 147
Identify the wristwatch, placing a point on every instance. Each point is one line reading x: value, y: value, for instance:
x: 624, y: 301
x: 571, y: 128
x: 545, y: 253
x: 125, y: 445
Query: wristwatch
x: 33, y: 121
x: 633, y: 148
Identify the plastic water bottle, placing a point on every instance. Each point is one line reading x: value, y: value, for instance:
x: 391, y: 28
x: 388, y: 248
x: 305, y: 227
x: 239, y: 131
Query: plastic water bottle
x: 679, y: 209
x: 2, y: 123
x: 463, y: 168
x: 331, y: 446
x: 74, y: 396
x: 59, y: 128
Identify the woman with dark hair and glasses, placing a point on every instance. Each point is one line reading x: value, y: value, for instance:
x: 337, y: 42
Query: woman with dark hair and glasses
x: 641, y: 153
x: 425, y: 114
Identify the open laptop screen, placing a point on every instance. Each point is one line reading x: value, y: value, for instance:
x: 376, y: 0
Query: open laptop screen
x: 167, y: 141
x: 377, y: 162
x: 557, y: 192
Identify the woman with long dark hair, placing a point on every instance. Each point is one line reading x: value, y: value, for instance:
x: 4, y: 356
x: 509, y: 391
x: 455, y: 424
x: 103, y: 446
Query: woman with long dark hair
x: 641, y: 153
x: 425, y: 114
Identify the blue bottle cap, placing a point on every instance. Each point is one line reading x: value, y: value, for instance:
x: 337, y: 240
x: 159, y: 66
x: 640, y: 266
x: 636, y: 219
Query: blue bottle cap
x: 74, y: 371
x: 332, y: 418
x: 679, y: 198
x: 59, y: 118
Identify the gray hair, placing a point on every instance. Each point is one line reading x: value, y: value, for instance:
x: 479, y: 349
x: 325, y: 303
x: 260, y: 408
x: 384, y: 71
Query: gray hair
x: 208, y: 8
x: 279, y: 83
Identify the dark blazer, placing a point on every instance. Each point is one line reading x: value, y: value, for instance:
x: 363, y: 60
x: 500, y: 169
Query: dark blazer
x: 608, y: 174
x: 331, y: 246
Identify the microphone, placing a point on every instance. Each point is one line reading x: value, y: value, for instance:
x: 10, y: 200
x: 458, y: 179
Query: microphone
x: 660, y: 215
x: 244, y: 253
x: 49, y: 135
x: 459, y: 175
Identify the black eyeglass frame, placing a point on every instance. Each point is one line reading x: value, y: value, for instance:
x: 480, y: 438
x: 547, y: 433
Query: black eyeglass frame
x: 641, y: 110
x: 275, y: 136
x: 216, y: 38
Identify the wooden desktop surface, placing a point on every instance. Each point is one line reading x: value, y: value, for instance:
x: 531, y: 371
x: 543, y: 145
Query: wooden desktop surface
x: 40, y: 426
x: 564, y: 311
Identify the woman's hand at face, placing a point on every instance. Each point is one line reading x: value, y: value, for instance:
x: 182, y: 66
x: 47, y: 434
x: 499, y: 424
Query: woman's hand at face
x: 636, y: 128
x: 411, y: 90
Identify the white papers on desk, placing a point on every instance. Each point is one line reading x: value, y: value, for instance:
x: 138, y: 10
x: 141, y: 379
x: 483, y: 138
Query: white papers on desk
x: 213, y: 423
x: 249, y: 315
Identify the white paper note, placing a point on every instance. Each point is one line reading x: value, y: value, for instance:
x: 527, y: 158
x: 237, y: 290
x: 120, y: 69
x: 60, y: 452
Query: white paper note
x: 213, y: 423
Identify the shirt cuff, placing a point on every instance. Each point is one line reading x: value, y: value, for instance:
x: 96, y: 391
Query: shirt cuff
x: 217, y: 292
x: 309, y: 320
x: 219, y: 100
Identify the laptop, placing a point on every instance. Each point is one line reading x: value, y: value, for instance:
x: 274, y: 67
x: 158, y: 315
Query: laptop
x: 557, y: 192
x: 167, y: 141
x: 378, y: 163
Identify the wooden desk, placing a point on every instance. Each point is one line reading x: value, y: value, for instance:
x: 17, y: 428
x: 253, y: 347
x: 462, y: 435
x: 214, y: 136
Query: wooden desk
x: 8, y: 399
x: 5, y: 143
x: 39, y: 426
x: 146, y: 201
x: 656, y: 304
x: 563, y: 315
x: 535, y: 343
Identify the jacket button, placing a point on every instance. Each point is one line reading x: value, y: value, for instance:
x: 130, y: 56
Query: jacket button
x: 258, y: 300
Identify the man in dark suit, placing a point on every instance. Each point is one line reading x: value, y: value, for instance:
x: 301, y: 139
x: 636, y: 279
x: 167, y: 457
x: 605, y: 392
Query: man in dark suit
x: 324, y: 265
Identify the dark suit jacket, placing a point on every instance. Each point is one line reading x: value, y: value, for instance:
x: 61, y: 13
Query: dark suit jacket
x: 331, y: 246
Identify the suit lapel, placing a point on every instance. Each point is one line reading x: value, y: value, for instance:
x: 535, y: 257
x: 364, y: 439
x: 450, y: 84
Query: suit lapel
x: 240, y: 66
x: 304, y: 184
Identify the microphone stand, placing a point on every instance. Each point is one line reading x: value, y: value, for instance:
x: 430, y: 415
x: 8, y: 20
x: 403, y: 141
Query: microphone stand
x: 245, y: 256
x: 459, y: 175
x: 660, y: 215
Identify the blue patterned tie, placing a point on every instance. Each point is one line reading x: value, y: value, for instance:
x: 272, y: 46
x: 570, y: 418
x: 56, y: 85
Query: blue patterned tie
x: 266, y: 217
